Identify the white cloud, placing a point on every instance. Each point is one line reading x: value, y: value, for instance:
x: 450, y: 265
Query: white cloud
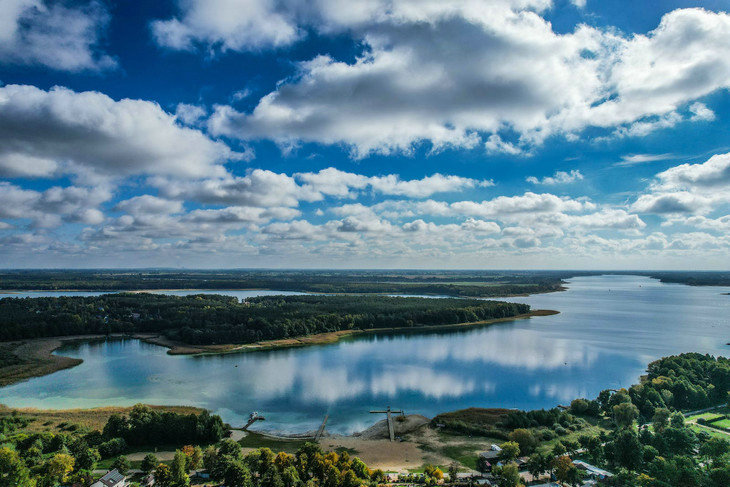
x: 495, y: 145
x: 147, y: 204
x: 674, y: 202
x: 560, y: 177
x: 226, y: 25
x: 190, y: 114
x: 259, y: 188
x: 635, y: 159
x: 700, y: 113
x: 688, y: 188
x: 90, y: 135
x: 710, y: 175
x: 411, y: 84
x: 52, y: 207
x: 53, y: 35
x: 528, y: 203
x: 334, y: 182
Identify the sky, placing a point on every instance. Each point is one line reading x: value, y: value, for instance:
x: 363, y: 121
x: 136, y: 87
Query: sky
x: 521, y: 134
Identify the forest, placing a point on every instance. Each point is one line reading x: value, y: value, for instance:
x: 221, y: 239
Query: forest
x: 449, y: 283
x: 215, y: 319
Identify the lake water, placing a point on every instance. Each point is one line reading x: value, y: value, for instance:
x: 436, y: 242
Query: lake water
x: 609, y: 328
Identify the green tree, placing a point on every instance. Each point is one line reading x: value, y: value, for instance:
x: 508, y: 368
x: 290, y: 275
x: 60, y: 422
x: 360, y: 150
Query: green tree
x: 87, y: 458
x: 433, y: 472
x: 237, y: 475
x: 715, y: 448
x: 510, y: 451
x: 661, y: 419
x: 162, y: 476
x: 559, y: 449
x: 563, y: 467
x: 525, y: 439
x: 453, y: 470
x: 196, y: 459
x: 624, y: 414
x: 507, y: 475
x: 122, y: 464
x: 59, y: 466
x: 538, y: 464
x: 627, y: 450
x: 149, y: 462
x: 178, y: 469
x: 12, y: 471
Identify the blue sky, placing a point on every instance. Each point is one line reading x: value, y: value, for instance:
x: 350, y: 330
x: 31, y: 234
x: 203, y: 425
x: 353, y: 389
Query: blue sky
x: 372, y: 133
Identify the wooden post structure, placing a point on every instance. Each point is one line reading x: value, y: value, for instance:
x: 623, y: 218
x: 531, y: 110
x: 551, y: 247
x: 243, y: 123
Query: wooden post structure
x: 320, y: 431
x: 388, y: 412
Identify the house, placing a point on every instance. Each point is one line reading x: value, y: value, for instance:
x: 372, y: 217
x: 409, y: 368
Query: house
x: 111, y: 479
x: 492, y: 453
x: 591, y: 471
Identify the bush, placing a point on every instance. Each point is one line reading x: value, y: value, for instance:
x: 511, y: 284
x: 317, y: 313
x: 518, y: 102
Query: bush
x: 112, y: 448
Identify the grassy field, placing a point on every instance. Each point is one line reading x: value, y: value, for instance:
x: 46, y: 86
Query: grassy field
x: 75, y: 419
x: 25, y: 359
x: 723, y: 423
x: 257, y: 440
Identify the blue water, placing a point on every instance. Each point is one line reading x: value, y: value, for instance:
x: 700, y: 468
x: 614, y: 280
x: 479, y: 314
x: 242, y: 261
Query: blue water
x: 609, y: 328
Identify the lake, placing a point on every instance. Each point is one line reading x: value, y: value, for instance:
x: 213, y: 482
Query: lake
x: 609, y: 328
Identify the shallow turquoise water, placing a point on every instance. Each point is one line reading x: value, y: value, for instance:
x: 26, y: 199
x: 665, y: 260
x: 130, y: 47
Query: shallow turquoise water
x: 609, y: 328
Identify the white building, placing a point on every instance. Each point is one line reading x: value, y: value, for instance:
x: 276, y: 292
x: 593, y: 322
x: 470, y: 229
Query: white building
x: 111, y: 479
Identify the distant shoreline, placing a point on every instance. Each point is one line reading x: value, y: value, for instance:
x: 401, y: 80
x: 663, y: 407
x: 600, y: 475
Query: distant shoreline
x: 37, y: 358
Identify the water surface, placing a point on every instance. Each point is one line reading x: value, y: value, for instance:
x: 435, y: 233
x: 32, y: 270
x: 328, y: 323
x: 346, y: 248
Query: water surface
x: 609, y: 328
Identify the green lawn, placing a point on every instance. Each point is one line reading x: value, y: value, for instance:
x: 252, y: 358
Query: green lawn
x: 705, y: 416
x: 255, y: 440
x: 723, y: 423
x: 714, y: 433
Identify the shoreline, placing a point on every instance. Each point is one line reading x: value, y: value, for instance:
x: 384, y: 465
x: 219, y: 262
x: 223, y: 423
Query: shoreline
x: 177, y: 348
x: 36, y: 357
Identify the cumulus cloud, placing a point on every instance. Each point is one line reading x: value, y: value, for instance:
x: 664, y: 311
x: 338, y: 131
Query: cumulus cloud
x: 688, y: 188
x: 560, y: 177
x: 334, y: 182
x: 52, y: 207
x: 707, y: 176
x: 88, y: 134
x: 410, y: 84
x: 54, y: 35
x: 261, y: 187
x: 226, y: 25
x: 147, y: 204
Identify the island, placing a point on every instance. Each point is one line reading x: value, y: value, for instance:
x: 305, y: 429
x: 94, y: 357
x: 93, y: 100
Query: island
x: 31, y: 328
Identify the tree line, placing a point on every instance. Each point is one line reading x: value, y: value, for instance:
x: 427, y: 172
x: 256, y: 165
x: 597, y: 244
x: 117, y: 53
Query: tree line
x: 215, y: 319
x: 450, y: 283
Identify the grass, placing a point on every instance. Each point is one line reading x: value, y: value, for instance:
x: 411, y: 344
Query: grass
x: 712, y: 432
x: 723, y: 423
x: 705, y: 416
x: 594, y: 428
x: 79, y: 419
x: 257, y: 440
x: 25, y: 359
x: 106, y: 464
